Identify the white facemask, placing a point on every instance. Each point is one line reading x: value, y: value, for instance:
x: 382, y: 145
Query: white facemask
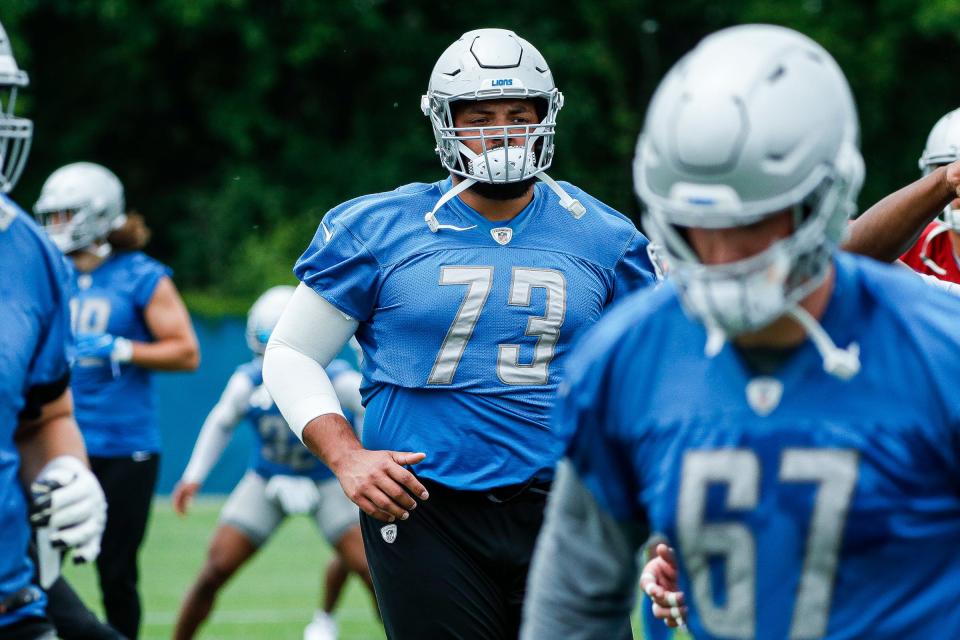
x: 501, y: 164
x: 745, y: 297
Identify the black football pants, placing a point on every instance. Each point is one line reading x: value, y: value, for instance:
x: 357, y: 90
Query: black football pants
x: 128, y: 484
x: 457, y: 568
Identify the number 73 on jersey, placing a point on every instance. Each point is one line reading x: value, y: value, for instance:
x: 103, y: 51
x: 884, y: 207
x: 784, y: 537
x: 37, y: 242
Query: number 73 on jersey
x: 546, y: 328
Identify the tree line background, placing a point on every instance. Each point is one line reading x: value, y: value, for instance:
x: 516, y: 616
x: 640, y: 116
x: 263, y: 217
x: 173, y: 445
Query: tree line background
x: 236, y: 124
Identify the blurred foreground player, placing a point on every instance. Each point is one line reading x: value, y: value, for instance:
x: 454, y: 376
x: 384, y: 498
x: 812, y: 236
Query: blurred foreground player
x: 796, y: 477
x: 40, y: 444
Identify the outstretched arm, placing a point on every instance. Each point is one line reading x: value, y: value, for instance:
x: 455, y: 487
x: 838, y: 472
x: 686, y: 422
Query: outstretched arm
x: 890, y: 227
x: 174, y: 347
x: 214, y: 436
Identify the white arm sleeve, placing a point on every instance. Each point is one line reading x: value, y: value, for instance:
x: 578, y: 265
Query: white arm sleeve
x: 310, y: 333
x: 218, y: 428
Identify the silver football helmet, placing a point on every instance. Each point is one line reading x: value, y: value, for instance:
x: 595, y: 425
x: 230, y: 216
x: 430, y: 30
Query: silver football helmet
x: 264, y: 315
x: 756, y: 120
x: 943, y: 147
x: 487, y: 64
x: 15, y: 133
x: 79, y: 205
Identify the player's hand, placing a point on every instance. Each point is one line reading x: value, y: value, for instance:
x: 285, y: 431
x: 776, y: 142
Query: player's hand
x: 952, y: 177
x: 659, y: 581
x: 294, y: 494
x: 377, y: 482
x: 67, y: 499
x: 183, y: 495
x: 104, y: 346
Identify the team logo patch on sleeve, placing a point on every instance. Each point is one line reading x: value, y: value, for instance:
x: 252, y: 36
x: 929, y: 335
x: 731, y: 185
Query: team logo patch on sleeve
x: 502, y: 235
x: 389, y: 533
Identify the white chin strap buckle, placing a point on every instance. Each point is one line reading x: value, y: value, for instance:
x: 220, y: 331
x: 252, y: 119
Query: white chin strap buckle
x: 841, y: 363
x: 572, y: 205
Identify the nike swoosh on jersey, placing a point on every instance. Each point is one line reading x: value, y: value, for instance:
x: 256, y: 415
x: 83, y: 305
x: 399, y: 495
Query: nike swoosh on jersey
x: 327, y: 234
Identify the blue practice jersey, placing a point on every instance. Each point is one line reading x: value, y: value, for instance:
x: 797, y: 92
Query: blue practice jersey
x: 464, y: 333
x: 34, y: 334
x: 278, y: 451
x: 117, y: 413
x: 836, y: 514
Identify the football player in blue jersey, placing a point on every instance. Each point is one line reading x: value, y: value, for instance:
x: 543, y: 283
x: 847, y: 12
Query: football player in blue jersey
x: 284, y: 479
x: 128, y: 320
x: 760, y: 408
x: 40, y: 444
x: 465, y: 295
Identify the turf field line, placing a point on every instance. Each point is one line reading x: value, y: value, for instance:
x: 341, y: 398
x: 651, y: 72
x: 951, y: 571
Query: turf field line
x: 228, y: 616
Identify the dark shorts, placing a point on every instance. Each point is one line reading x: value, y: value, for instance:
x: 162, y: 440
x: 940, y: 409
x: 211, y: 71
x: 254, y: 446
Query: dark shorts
x: 29, y: 629
x: 457, y: 568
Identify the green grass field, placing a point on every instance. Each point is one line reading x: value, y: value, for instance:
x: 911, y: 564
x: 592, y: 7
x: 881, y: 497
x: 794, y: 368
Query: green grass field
x: 272, y: 598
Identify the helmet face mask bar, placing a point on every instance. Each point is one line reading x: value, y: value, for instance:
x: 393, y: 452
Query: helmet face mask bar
x: 16, y: 133
x: 748, y: 294
x: 507, y: 162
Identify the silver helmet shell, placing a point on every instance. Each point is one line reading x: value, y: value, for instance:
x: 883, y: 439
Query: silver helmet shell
x: 264, y: 315
x: 487, y: 64
x: 943, y: 147
x: 756, y: 120
x: 79, y: 205
x: 15, y: 133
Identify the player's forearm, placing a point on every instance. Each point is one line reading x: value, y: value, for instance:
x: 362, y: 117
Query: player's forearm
x: 892, y: 225
x: 331, y: 438
x: 53, y: 434
x: 583, y: 574
x: 307, y: 337
x: 170, y: 354
x: 213, y: 439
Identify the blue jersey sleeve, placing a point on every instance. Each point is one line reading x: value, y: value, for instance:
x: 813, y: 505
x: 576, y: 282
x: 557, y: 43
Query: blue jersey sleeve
x: 340, y: 269
x: 50, y: 360
x: 146, y: 274
x: 585, y: 418
x: 634, y: 271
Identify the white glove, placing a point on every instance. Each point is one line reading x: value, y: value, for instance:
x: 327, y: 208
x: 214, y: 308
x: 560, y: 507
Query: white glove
x: 295, y: 494
x: 68, y: 500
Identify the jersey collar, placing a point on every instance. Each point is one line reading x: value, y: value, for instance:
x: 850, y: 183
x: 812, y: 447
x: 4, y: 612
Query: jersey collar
x: 471, y: 216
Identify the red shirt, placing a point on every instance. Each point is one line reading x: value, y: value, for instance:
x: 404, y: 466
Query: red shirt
x: 937, y: 248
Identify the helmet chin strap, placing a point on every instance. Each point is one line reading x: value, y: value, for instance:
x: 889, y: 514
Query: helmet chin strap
x: 100, y: 249
x: 841, y: 363
x: 572, y: 205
